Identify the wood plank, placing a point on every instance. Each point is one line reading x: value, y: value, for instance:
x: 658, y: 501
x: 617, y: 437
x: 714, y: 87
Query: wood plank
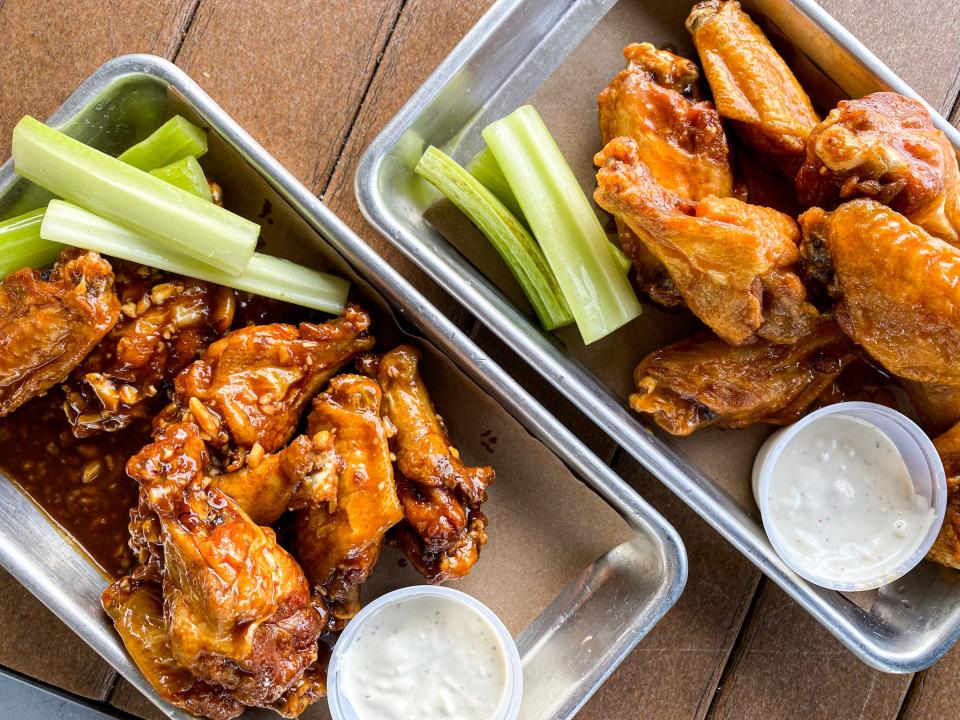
x: 292, y: 74
x: 674, y: 671
x: 39, y: 645
x: 787, y: 666
x: 51, y: 46
x: 423, y: 37
x: 933, y: 693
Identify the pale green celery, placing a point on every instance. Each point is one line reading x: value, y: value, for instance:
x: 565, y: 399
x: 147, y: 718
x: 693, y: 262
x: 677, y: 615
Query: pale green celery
x: 564, y: 223
x: 176, y: 139
x: 507, y: 234
x: 264, y: 275
x: 185, y: 174
x: 174, y: 218
x: 21, y: 245
x: 620, y: 256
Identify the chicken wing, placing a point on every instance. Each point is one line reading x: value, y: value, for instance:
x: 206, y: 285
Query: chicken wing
x: 338, y: 544
x: 751, y: 84
x: 166, y: 322
x: 251, y: 387
x: 136, y: 609
x: 938, y: 406
x: 897, y: 288
x: 703, y: 381
x: 441, y: 496
x: 681, y: 142
x: 885, y: 147
x: 237, y: 607
x: 946, y: 548
x: 49, y: 321
x: 731, y: 261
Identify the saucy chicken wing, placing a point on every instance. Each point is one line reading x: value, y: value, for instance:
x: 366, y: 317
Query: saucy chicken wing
x: 946, y: 548
x: 165, y: 323
x: 441, y: 496
x: 681, y: 143
x: 938, y: 406
x: 338, y: 543
x: 885, y: 147
x: 237, y: 607
x: 732, y: 262
x: 897, y: 288
x: 703, y: 381
x: 49, y: 321
x: 251, y: 387
x: 751, y: 84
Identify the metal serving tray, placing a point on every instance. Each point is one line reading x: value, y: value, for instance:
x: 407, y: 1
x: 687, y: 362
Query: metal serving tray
x: 516, y: 53
x: 614, y: 600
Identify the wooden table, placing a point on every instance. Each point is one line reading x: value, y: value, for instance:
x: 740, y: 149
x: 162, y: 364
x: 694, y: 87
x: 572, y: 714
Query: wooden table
x: 314, y: 82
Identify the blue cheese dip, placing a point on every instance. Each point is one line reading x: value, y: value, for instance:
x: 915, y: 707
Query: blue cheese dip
x: 425, y: 656
x: 841, y: 498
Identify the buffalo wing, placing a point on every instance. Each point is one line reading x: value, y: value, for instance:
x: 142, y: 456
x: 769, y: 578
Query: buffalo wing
x: 946, y: 548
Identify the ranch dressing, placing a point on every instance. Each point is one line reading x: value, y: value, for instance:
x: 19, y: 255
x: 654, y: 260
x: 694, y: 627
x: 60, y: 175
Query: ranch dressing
x: 426, y: 657
x: 843, y: 502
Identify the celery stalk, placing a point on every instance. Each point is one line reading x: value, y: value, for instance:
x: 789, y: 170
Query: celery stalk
x: 186, y: 174
x: 21, y: 245
x: 176, y: 139
x: 107, y: 186
x: 507, y: 234
x: 563, y: 222
x: 264, y: 275
x: 623, y: 262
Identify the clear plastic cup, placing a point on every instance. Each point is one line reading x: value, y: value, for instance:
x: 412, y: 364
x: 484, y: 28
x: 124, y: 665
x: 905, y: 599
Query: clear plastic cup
x: 919, y: 455
x: 340, y: 707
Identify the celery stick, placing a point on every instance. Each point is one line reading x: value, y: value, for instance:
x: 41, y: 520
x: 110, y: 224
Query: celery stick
x: 563, y: 222
x: 107, y: 186
x: 21, y: 245
x: 176, y: 139
x: 186, y: 174
x: 264, y: 275
x: 507, y: 234
x: 623, y: 262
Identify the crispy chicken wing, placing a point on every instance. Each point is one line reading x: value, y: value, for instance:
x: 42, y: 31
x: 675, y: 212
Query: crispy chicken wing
x: 136, y: 608
x: 49, y: 322
x: 885, y: 146
x: 751, y: 84
x: 441, y: 496
x: 251, y: 387
x: 946, y: 548
x: 703, y: 381
x: 897, y: 288
x: 732, y: 262
x: 338, y: 543
x: 237, y: 607
x: 681, y: 142
x: 165, y: 323
x: 938, y: 406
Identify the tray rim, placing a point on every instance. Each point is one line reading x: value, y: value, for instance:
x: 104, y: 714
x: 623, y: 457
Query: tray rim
x: 586, y: 467
x: 582, y: 387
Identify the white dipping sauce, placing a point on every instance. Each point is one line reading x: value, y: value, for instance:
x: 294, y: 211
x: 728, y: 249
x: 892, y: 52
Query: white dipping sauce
x: 426, y: 657
x: 842, y: 500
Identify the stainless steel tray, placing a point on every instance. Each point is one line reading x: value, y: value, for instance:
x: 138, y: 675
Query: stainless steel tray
x: 520, y: 46
x: 615, y: 599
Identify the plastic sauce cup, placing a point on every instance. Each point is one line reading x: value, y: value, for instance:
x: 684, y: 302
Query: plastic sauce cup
x: 339, y: 703
x: 919, y: 455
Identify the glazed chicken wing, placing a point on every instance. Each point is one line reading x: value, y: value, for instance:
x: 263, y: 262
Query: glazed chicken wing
x: 237, y: 607
x: 897, y: 288
x: 938, y: 406
x: 165, y: 323
x: 732, y: 262
x: 251, y: 387
x: 946, y: 548
x: 681, y: 143
x: 441, y: 496
x: 338, y: 543
x: 49, y: 322
x: 885, y: 147
x: 751, y: 84
x: 703, y: 381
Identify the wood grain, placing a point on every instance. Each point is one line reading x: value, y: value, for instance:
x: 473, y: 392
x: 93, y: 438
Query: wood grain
x: 933, y: 694
x: 51, y: 46
x: 292, y: 74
